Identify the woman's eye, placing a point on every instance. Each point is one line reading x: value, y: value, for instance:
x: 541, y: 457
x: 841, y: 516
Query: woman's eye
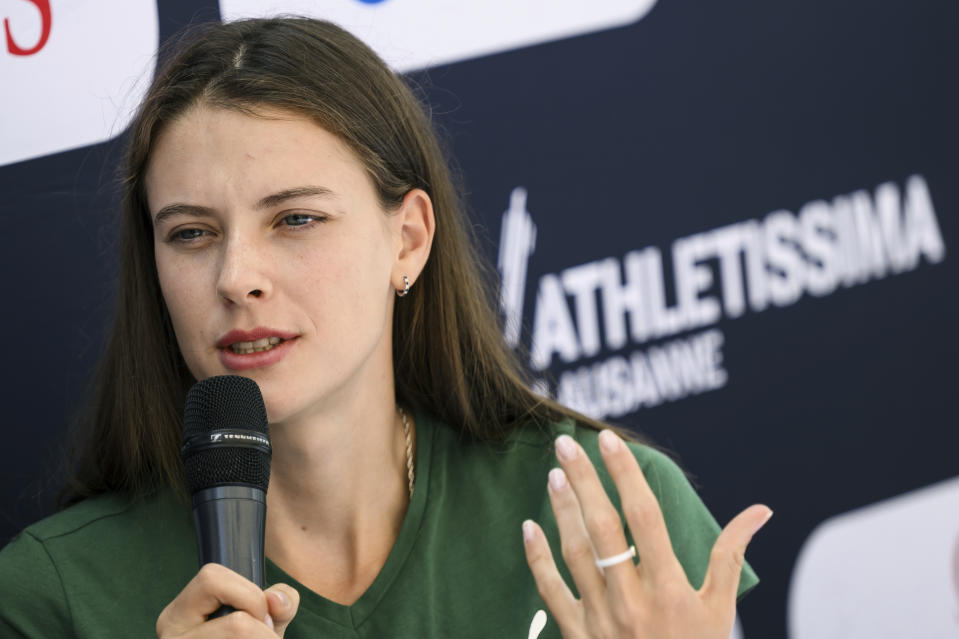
x: 300, y: 220
x: 186, y: 235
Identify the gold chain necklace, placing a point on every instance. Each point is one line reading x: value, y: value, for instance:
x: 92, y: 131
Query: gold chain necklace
x: 409, y: 449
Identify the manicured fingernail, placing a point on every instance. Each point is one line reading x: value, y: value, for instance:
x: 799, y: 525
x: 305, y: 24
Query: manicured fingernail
x: 268, y: 620
x: 769, y: 516
x: 609, y: 441
x: 565, y: 447
x: 284, y: 600
x: 528, y: 530
x: 557, y: 479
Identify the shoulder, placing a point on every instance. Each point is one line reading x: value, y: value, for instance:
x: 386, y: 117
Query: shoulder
x: 32, y: 592
x: 31, y: 583
x: 109, y: 517
x: 33, y: 545
x: 518, y: 465
x: 75, y: 566
x: 96, y: 511
x: 655, y: 464
x: 532, y: 446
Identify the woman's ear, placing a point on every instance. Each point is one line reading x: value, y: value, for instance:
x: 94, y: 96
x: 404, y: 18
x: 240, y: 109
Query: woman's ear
x: 415, y: 224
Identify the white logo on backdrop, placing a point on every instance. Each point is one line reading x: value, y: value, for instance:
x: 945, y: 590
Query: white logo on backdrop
x: 724, y: 272
x: 73, y: 71
x: 517, y: 241
x: 414, y: 35
x: 881, y: 572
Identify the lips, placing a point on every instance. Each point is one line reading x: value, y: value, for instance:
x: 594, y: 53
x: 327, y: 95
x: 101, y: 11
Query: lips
x: 237, y: 336
x: 260, y: 345
x: 242, y: 350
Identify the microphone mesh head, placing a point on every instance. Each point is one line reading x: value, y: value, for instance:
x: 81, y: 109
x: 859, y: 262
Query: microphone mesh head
x: 225, y: 402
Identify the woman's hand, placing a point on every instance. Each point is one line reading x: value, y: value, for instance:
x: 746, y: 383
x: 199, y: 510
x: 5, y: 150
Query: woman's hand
x: 653, y: 599
x: 258, y: 613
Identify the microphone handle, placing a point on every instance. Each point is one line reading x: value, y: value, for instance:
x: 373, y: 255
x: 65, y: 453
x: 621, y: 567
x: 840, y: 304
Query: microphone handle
x: 230, y: 524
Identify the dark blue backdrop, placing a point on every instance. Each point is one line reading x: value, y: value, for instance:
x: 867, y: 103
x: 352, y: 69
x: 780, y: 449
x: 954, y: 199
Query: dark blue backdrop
x: 701, y: 114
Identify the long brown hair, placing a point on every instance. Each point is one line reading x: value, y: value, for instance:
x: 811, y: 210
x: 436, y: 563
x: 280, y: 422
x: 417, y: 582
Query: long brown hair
x: 449, y: 356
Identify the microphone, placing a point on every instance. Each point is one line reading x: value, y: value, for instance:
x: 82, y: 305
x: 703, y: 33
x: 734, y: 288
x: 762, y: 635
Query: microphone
x: 226, y: 458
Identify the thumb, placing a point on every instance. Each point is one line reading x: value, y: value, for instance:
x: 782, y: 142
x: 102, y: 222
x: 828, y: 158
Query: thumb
x: 729, y: 554
x: 283, y: 601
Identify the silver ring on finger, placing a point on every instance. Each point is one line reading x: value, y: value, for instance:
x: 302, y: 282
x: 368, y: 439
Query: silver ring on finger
x: 626, y: 555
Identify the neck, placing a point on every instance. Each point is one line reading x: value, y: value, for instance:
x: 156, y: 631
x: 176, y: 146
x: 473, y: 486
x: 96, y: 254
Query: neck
x: 338, y: 492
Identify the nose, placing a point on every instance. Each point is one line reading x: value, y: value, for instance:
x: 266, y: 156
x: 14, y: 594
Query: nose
x: 243, y: 275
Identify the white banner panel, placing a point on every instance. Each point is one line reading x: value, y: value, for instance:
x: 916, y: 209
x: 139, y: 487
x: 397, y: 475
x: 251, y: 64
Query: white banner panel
x: 72, y: 72
x: 887, y: 571
x: 414, y: 34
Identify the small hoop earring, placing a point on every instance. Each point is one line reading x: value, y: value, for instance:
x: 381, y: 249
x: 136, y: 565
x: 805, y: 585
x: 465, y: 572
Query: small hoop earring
x: 406, y: 288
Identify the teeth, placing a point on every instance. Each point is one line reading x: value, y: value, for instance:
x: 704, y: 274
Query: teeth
x: 245, y: 348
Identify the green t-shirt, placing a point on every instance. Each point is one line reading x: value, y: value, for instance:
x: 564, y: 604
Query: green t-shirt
x: 108, y: 566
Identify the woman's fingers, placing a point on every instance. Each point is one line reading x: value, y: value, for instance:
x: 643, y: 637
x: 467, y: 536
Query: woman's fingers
x: 641, y: 509
x: 283, y: 601
x: 615, y: 602
x: 577, y: 547
x: 213, y: 586
x: 639, y: 504
x: 566, y: 609
x: 729, y: 553
x: 601, y: 519
x: 236, y: 624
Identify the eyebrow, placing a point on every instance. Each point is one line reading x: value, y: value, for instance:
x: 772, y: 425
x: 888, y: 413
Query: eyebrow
x: 295, y: 192
x: 274, y: 199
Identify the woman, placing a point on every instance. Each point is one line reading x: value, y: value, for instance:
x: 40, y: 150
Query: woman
x: 289, y: 217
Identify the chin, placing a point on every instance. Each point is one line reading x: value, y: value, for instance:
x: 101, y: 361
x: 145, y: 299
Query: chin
x: 276, y: 411
x: 279, y: 409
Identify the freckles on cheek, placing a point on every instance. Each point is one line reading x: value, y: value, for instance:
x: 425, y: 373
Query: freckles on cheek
x: 173, y: 298
x: 316, y: 269
x: 184, y: 304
